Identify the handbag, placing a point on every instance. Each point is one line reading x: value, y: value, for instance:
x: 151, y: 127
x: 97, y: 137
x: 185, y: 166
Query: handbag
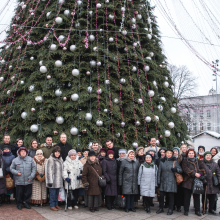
x: 120, y: 201
x: 102, y: 179
x: 198, y: 187
x: 179, y: 177
x: 61, y: 196
x: 9, y: 182
x: 214, y: 177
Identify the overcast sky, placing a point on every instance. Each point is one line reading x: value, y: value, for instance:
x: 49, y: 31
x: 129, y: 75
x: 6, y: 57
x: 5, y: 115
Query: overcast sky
x: 195, y: 23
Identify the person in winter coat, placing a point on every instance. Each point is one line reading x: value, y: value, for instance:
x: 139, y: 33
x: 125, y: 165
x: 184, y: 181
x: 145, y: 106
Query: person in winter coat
x: 33, y: 149
x: 128, y: 179
x: 211, y: 169
x: 72, y: 169
x: 47, y: 147
x: 95, y: 147
x: 8, y: 158
x: 53, y: 175
x: 167, y: 181
x: 6, y: 141
x: 85, y: 155
x: 147, y: 180
x: 79, y: 153
x: 140, y: 155
x: 39, y: 190
x: 152, y: 151
x: 3, y: 189
x: 192, y: 168
x: 161, y: 154
x: 19, y: 143
x: 109, y: 169
x: 65, y: 147
x: 102, y: 155
x: 153, y: 144
x: 90, y: 179
x: 200, y: 153
x: 24, y: 171
x: 110, y: 146
x: 214, y: 151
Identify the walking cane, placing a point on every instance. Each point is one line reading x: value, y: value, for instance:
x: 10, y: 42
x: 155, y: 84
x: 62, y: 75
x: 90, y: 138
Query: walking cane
x: 204, y: 201
x: 67, y: 192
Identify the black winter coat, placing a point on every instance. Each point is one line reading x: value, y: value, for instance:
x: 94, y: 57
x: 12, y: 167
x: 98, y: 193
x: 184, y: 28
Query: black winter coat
x: 211, y: 189
x: 115, y: 149
x: 128, y: 176
x: 166, y: 178
x: 3, y: 189
x: 141, y: 159
x: 65, y: 148
x: 15, y: 149
x: 109, y: 169
x: 8, y: 157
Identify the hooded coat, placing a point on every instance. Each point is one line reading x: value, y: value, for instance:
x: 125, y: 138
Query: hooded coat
x: 47, y: 150
x: 75, y: 168
x: 53, y: 172
x: 166, y: 178
x: 128, y: 176
x: 147, y: 179
x: 90, y: 177
x: 65, y: 148
x: 109, y: 169
x: 3, y: 189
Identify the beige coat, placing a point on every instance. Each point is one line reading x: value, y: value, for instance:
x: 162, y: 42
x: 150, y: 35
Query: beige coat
x: 83, y: 160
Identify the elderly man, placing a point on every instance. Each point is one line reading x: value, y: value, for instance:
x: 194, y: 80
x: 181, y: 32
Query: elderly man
x: 6, y: 141
x: 153, y: 144
x: 47, y: 147
x: 65, y: 147
x: 110, y: 146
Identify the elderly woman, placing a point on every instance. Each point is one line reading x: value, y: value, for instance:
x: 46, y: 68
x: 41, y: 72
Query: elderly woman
x: 54, y: 180
x: 90, y: 179
x: 3, y: 189
x: 8, y: 158
x: 211, y: 169
x: 192, y: 168
x: 24, y: 170
x: 147, y: 179
x: 19, y: 143
x: 39, y: 190
x: 33, y: 149
x: 152, y: 151
x: 167, y: 181
x: 72, y: 169
x: 128, y: 179
x: 109, y: 168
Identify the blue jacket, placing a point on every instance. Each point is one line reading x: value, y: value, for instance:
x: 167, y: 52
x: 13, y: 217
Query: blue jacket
x: 8, y: 158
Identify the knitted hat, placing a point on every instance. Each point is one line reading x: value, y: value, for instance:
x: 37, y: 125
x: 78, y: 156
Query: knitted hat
x: 22, y: 148
x: 86, y: 150
x: 176, y: 148
x: 102, y: 150
x: 91, y: 153
x: 138, y: 149
x: 201, y: 147
x: 110, y: 152
x: 39, y: 151
x: 147, y: 155
x: 130, y: 152
x: 71, y: 152
x: 122, y: 151
x: 6, y: 147
x: 151, y: 149
x: 78, y: 150
x: 207, y: 152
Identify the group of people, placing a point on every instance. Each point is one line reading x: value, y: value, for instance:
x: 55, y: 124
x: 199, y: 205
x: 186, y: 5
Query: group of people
x: 40, y: 172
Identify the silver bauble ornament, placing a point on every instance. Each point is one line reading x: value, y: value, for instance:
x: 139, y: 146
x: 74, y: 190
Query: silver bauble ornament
x: 58, y: 92
x: 124, y: 32
x: 140, y: 101
x: 107, y: 82
x: 163, y: 99
x: 166, y: 83
x: 139, y: 16
x: 171, y: 124
x: 24, y: 115
x: 1, y: 79
x: 48, y: 76
x: 167, y: 133
x: 155, y: 83
x: 151, y: 93
x: 133, y: 20
x: 67, y: 13
x: 58, y: 63
x: 122, y: 81
x: 173, y: 110
x: 32, y: 58
x: 123, y: 9
x: 59, y: 120
x: 41, y: 63
x: 89, y: 89
x: 34, y: 128
x: 105, y: 110
x: 147, y: 68
x: 148, y: 119
x: 72, y: 48
x: 122, y: 124
x: 135, y: 144
x: 2, y: 113
x: 74, y: 131
x: 156, y: 118
x: 118, y: 135
x: 94, y: 48
x: 53, y: 47
x: 134, y: 69
x: 33, y: 109
x: 64, y: 99
x: 148, y: 58
x: 91, y: 37
x: 48, y: 14
x: 149, y: 36
x: 61, y: 1
x: 135, y: 44
x: 111, y: 16
x: 115, y: 100
x: 61, y: 38
x: 99, y: 91
x: 74, y: 97
x: 59, y: 20
x: 166, y: 78
x: 43, y: 69
x: 138, y: 123
x: 64, y: 48
x: 31, y: 88
x: 12, y: 78
x: 111, y: 39
x: 10, y: 67
x: 39, y: 99
x: 160, y: 107
x: 99, y: 63
x: 75, y: 72
x: 151, y: 54
x: 21, y: 82
x: 99, y: 123
x: 157, y: 142
x: 88, y: 117
x: 99, y: 5
x: 93, y: 63
x: 79, y: 2
x: 88, y: 73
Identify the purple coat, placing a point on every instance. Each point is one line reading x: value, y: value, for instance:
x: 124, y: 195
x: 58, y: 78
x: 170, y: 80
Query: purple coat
x: 109, y: 169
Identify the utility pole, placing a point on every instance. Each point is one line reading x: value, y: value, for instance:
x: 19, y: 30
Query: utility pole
x: 215, y: 64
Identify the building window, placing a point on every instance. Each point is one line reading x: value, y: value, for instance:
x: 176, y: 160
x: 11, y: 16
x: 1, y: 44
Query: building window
x: 208, y: 114
x: 194, y: 126
x: 201, y: 127
x: 209, y: 126
x: 201, y: 114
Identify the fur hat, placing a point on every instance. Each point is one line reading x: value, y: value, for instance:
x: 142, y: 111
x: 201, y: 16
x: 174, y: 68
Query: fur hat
x: 207, y: 152
x: 71, y: 152
x: 39, y: 151
x: 187, y: 152
x: 22, y: 148
x: 130, y: 152
x: 151, y: 149
x: 138, y: 149
x: 103, y: 150
x: 122, y: 151
x: 201, y: 147
x: 78, y: 150
x: 176, y: 148
x: 91, y: 153
x: 110, y: 152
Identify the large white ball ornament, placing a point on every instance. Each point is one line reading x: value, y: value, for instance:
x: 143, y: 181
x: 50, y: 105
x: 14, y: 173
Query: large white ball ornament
x: 173, y: 110
x: 135, y: 144
x: 156, y: 118
x: 32, y: 58
x: 163, y: 99
x: 134, y: 69
x: 53, y: 47
x: 122, y: 81
x: 41, y: 63
x: 91, y: 37
x: 151, y: 93
x: 171, y: 124
x: 72, y: 48
x: 149, y: 36
x: 93, y: 63
x: 133, y: 20
x: 140, y: 101
x: 99, y: 63
x: 111, y: 39
x: 118, y: 135
x: 99, y: 5
x: 124, y: 32
x: 58, y: 63
x: 105, y: 110
x: 138, y: 123
x: 61, y: 1
x: 99, y: 123
x: 39, y: 99
x: 59, y: 20
x: 122, y: 124
x: 148, y: 119
x: 74, y: 131
x: 21, y: 82
x: 111, y: 16
x: 31, y: 88
x: 58, y: 92
x: 160, y: 107
x: 151, y: 54
x: 75, y: 72
x: 48, y: 14
x: 107, y: 82
x: 1, y: 79
x: 167, y: 133
x: 59, y: 120
x: 123, y: 9
x: 34, y: 128
x: 67, y: 13
x: 74, y: 97
x: 155, y: 83
x: 115, y: 100
x: 139, y: 16
x: 2, y: 113
x: 88, y: 117
x: 79, y: 2
x: 147, y: 68
x: 61, y: 38
x: 166, y: 83
x: 89, y: 89
x: 24, y: 115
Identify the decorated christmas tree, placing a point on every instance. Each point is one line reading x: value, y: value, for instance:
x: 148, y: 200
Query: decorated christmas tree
x: 92, y: 69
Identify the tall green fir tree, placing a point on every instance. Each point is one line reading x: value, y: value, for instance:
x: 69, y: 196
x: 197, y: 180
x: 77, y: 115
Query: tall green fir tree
x: 93, y: 69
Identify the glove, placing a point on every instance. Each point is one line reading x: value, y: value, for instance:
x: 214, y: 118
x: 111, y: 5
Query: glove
x: 79, y: 177
x: 174, y: 169
x: 50, y: 184
x: 68, y: 180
